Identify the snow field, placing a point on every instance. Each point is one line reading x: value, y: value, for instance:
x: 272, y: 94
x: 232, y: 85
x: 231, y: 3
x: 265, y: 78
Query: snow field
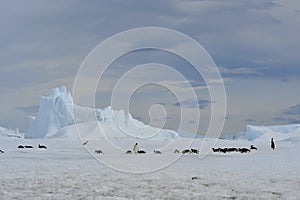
x: 66, y: 170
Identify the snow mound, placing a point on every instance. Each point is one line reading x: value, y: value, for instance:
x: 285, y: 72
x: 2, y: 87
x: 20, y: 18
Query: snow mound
x: 57, y: 111
x: 5, y: 132
x: 10, y: 133
x: 289, y: 132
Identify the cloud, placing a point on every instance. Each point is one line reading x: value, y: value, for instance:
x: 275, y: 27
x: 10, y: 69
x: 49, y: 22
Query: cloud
x: 191, y: 121
x: 293, y: 110
x: 190, y: 103
x: 241, y: 71
x: 289, y: 115
x: 249, y: 120
x: 43, y: 44
x: 69, y: 31
x: 227, y: 117
x: 29, y: 109
x: 287, y: 120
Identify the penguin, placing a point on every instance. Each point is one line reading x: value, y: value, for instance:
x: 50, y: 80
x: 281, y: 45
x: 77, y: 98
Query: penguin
x: 141, y: 151
x: 157, y: 152
x: 244, y: 150
x: 42, y: 147
x: 253, y: 147
x: 176, y: 151
x: 98, y: 151
x: 186, y: 151
x: 136, y: 148
x: 128, y: 152
x: 272, y: 144
x: 196, y: 151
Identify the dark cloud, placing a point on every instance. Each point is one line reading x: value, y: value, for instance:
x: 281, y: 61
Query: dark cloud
x: 29, y: 109
x: 249, y: 120
x: 73, y: 28
x: 287, y: 120
x: 162, y: 103
x: 193, y: 83
x: 242, y: 71
x: 290, y: 115
x: 190, y: 103
x: 191, y: 122
x: 293, y: 110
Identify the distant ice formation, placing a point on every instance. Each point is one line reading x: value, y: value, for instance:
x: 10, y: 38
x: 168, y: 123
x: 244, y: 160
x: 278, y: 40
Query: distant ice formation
x: 55, y: 112
x: 279, y: 132
x: 58, y: 110
x: 287, y: 132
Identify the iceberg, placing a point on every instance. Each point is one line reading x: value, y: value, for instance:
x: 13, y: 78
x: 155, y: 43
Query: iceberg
x: 278, y: 132
x: 57, y: 110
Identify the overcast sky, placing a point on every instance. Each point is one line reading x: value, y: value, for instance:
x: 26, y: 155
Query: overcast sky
x: 255, y: 44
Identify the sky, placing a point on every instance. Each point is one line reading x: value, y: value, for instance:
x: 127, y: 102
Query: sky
x: 255, y: 45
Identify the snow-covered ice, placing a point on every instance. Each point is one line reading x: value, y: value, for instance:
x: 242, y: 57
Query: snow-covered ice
x: 66, y: 170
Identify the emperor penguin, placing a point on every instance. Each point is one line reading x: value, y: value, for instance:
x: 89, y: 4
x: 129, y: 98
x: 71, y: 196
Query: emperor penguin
x: 136, y: 148
x: 272, y: 144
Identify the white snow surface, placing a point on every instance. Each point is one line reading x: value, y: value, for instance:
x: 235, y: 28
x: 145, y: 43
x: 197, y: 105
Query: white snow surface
x: 57, y: 110
x: 66, y: 170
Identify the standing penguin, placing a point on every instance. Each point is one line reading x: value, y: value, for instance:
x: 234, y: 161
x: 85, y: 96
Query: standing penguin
x: 136, y: 148
x: 272, y: 144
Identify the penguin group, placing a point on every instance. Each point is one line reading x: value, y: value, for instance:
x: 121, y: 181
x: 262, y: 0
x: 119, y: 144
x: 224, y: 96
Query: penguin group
x: 31, y: 147
x: 136, y: 150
